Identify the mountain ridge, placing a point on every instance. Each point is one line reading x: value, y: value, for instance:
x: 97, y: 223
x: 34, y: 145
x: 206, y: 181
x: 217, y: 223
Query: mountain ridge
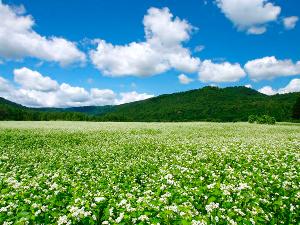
x: 204, y: 104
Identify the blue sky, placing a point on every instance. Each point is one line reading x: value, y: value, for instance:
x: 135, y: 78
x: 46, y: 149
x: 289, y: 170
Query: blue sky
x: 265, y: 36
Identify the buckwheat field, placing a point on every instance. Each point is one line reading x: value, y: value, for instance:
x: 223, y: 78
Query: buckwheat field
x: 149, y: 173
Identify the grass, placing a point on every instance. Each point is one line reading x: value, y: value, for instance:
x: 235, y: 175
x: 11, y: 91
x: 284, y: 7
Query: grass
x: 149, y: 173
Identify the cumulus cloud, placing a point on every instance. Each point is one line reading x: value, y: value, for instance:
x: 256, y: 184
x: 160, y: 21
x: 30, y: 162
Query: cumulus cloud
x: 220, y: 72
x: 4, y: 85
x: 290, y: 22
x: 132, y: 97
x: 161, y: 51
x: 268, y: 90
x: 33, y: 80
x: 248, y: 86
x: 293, y: 86
x: 270, y: 67
x: 37, y: 90
x: 199, y: 48
x: 19, y: 40
x: 250, y: 15
x: 184, y: 79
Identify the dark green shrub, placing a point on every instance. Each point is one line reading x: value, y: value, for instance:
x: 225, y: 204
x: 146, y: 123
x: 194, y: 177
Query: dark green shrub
x: 264, y: 119
x: 296, y: 110
x: 252, y: 119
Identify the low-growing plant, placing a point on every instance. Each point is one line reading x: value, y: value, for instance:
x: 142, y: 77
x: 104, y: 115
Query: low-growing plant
x: 264, y: 119
x: 148, y: 173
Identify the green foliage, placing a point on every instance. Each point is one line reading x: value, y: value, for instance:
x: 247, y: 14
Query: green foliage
x: 148, y: 173
x: 264, y: 119
x: 252, y: 119
x: 207, y: 104
x: 12, y: 111
x: 296, y: 110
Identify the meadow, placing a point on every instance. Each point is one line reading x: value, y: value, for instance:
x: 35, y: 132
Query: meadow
x: 149, y: 173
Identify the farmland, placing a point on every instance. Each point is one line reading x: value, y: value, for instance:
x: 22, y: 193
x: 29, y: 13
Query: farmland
x: 149, y: 173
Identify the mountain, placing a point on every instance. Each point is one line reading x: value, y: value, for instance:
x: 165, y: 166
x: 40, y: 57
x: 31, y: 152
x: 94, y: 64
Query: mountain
x: 12, y: 111
x: 90, y: 110
x: 205, y: 104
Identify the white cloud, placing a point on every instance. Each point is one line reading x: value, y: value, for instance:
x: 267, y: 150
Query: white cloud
x: 183, y: 79
x: 39, y: 91
x: 267, y: 90
x: 248, y: 86
x: 250, y: 15
x: 4, y: 85
x: 290, y: 22
x: 132, y: 97
x: 270, y: 67
x: 33, y: 80
x: 293, y: 86
x: 199, y: 48
x: 19, y: 40
x: 162, y: 29
x: 103, y: 96
x: 134, y: 59
x: 220, y: 72
x: 256, y: 30
x: 161, y: 51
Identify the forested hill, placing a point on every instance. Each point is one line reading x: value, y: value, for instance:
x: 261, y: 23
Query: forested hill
x: 12, y: 111
x: 206, y: 104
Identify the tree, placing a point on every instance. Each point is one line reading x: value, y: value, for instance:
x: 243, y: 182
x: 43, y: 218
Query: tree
x: 252, y: 119
x: 296, y: 109
x: 264, y: 119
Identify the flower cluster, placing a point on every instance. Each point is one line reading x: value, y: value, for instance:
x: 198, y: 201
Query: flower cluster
x: 149, y: 173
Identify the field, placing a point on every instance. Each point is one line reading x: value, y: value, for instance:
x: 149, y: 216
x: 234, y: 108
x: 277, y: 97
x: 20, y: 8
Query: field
x: 149, y: 173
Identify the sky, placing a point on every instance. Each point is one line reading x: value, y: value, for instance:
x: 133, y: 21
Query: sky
x: 96, y: 52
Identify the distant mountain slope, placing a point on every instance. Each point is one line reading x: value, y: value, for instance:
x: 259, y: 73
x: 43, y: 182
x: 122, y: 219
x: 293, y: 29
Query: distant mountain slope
x: 12, y: 111
x: 4, y: 102
x: 206, y: 104
x: 90, y: 110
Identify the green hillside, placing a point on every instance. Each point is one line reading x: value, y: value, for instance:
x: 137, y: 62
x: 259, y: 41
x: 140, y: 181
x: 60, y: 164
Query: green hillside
x: 207, y: 104
x: 89, y: 110
x: 12, y: 111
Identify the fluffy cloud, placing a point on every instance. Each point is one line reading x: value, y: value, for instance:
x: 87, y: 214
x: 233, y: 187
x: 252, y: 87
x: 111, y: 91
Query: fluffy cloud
x: 33, y: 80
x: 267, y: 90
x: 270, y: 67
x: 183, y: 79
x: 37, y: 90
x: 4, y: 85
x: 250, y: 15
x: 132, y: 97
x: 134, y: 59
x: 293, y: 86
x: 290, y: 22
x: 19, y: 40
x: 220, y: 72
x: 161, y: 51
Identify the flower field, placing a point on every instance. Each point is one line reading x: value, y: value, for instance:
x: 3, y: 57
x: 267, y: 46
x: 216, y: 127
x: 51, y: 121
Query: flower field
x: 149, y: 173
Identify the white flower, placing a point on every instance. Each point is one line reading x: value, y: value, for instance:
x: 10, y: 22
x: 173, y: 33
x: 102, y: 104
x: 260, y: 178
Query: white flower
x: 209, y: 208
x: 210, y: 186
x: 197, y: 222
x: 99, y: 199
x: 143, y: 218
x: 120, y: 218
x: 63, y: 220
x: 7, y: 223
